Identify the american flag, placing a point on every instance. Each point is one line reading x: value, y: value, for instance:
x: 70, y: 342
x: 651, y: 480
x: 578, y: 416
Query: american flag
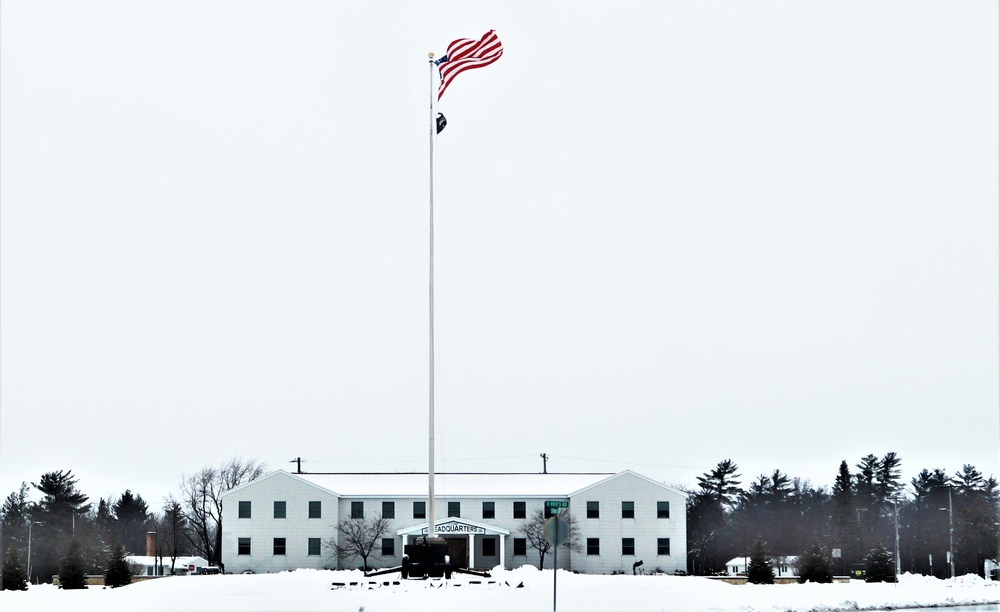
x: 466, y: 53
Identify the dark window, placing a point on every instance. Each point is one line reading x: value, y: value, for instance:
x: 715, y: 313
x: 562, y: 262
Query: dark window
x: 357, y: 510
x: 314, y: 546
x: 489, y: 547
x: 519, y: 510
x: 388, y: 510
x: 663, y: 546
x: 594, y: 509
x: 388, y: 547
x: 455, y: 509
x: 628, y: 509
x: 315, y: 509
x: 419, y: 510
x: 243, y: 546
x: 662, y: 509
x: 279, y: 509
x: 549, y: 512
x: 520, y: 546
x: 279, y: 546
x: 628, y: 546
x: 244, y: 509
x: 593, y: 546
x: 489, y: 510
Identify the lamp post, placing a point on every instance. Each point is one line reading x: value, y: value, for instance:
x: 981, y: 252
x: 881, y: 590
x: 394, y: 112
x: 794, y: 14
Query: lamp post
x: 30, y: 523
x: 951, y: 534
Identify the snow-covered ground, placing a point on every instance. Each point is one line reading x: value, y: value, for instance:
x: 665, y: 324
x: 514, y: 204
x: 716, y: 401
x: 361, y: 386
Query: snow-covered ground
x: 308, y: 590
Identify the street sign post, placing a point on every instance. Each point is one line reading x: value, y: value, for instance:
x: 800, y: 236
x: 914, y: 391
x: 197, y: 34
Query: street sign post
x: 556, y: 531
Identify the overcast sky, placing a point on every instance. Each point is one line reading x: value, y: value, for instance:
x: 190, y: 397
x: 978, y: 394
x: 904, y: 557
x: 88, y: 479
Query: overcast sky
x: 666, y: 234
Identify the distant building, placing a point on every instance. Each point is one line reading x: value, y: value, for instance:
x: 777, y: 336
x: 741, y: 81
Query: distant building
x: 783, y: 566
x: 160, y: 566
x: 282, y: 521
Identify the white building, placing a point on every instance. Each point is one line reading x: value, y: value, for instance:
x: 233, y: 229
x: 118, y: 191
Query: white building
x: 147, y: 565
x: 784, y: 567
x: 282, y: 521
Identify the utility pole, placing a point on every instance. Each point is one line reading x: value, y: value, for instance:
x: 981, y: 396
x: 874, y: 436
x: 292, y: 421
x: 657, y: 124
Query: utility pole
x: 298, y: 464
x: 545, y: 463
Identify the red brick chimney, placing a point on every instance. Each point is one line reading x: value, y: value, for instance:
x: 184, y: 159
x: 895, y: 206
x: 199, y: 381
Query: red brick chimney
x: 150, y: 543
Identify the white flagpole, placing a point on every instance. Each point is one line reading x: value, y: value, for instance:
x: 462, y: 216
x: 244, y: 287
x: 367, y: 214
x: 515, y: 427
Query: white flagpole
x: 430, y: 426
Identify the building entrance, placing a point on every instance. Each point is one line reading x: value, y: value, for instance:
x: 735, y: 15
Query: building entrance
x: 458, y: 550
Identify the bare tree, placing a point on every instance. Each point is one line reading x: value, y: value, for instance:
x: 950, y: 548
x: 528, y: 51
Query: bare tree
x: 201, y: 495
x: 170, y: 528
x: 534, y: 532
x: 359, y: 538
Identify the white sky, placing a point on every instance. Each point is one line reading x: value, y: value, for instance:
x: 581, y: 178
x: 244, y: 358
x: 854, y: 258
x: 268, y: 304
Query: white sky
x: 667, y: 233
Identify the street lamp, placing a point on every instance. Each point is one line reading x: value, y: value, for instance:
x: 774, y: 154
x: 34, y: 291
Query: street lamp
x: 951, y: 533
x: 30, y: 523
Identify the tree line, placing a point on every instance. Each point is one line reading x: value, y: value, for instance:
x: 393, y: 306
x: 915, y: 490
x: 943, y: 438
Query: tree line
x: 65, y: 524
x: 865, y: 510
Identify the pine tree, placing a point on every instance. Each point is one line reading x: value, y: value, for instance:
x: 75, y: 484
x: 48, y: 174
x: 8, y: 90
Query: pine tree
x: 759, y: 570
x: 815, y: 566
x: 15, y: 575
x: 71, y: 569
x: 119, y: 573
x: 879, y: 565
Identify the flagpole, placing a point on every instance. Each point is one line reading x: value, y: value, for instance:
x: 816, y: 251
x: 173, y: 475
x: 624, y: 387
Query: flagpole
x: 430, y: 412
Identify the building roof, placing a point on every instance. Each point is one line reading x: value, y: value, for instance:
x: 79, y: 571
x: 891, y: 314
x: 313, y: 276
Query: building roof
x: 454, y: 484
x: 165, y: 561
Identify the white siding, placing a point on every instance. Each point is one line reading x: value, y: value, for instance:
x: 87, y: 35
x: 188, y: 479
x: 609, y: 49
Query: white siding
x: 645, y: 528
x: 262, y: 527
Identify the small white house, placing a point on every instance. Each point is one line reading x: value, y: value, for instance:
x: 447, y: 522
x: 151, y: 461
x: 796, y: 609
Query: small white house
x: 160, y: 566
x: 783, y: 566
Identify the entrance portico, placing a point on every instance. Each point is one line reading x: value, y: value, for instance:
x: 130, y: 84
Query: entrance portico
x: 462, y: 536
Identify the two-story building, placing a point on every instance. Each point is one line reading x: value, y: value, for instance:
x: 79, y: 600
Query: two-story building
x: 286, y: 521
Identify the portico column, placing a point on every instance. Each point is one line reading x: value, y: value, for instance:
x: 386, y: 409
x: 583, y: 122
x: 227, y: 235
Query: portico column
x: 472, y: 549
x: 503, y: 551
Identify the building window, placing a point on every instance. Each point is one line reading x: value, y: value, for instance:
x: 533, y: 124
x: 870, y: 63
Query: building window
x: 388, y: 547
x: 628, y: 510
x: 315, y: 509
x: 593, y: 509
x: 455, y: 509
x: 419, y: 510
x: 520, y: 511
x: 593, y: 546
x: 388, y: 510
x: 628, y: 546
x: 520, y: 546
x: 663, y: 509
x: 243, y: 546
x: 279, y: 546
x: 314, y: 546
x: 489, y: 510
x: 489, y: 547
x: 279, y: 509
x: 244, y: 509
x: 663, y: 546
x: 357, y: 510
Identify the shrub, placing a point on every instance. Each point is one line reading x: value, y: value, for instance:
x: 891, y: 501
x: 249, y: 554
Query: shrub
x: 119, y: 573
x: 815, y: 566
x: 879, y: 565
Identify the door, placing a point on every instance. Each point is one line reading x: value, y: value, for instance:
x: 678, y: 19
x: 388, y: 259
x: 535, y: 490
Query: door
x: 458, y: 550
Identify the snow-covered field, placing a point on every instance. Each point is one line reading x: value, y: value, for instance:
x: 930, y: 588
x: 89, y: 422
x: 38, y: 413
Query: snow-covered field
x: 309, y: 590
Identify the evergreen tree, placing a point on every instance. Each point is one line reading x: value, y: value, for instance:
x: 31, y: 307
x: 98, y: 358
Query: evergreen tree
x: 15, y: 515
x: 72, y: 574
x: 119, y: 573
x: 59, y: 510
x: 815, y: 566
x: 15, y: 575
x: 759, y: 570
x: 879, y: 565
x: 131, y: 516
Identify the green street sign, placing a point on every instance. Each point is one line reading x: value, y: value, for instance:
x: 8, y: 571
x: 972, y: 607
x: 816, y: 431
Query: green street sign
x: 556, y: 504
